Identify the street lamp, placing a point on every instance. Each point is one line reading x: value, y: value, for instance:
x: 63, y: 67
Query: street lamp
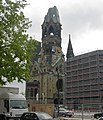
x: 58, y: 93
x: 59, y: 87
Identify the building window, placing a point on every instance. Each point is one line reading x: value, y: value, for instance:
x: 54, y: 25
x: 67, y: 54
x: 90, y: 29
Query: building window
x: 31, y: 92
x: 68, y: 63
x: 92, y: 69
x: 85, y: 64
x: 94, y: 87
x: 28, y: 93
x: 93, y: 57
x: 49, y: 90
x: 86, y: 82
x: 74, y: 73
x: 86, y: 76
x: 74, y: 67
x: 79, y: 66
x: 74, y: 78
x: 80, y: 72
x: 35, y: 92
x: 79, y: 77
x: 101, y: 68
x: 93, y: 63
x: 95, y: 80
x: 93, y: 74
x: 79, y: 61
x: 85, y: 59
x: 101, y: 56
x: 101, y: 80
x: 68, y: 68
x: 69, y: 73
x: 74, y: 62
x: 101, y: 74
x: 86, y: 70
x: 101, y: 61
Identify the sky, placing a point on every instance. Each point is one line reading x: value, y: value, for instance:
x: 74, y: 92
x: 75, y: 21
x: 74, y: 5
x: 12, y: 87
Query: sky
x: 83, y: 19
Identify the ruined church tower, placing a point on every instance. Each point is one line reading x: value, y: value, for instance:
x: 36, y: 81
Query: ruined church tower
x: 48, y: 70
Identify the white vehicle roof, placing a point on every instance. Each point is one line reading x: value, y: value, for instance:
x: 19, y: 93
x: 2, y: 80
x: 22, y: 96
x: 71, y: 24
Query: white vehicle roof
x: 9, y: 90
x: 12, y: 96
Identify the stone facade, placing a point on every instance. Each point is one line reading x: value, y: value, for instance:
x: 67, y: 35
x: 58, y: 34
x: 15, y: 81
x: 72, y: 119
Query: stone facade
x: 47, y: 71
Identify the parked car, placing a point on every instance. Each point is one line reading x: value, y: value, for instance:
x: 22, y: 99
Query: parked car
x: 2, y: 117
x: 64, y: 112
x: 98, y: 115
x: 101, y: 118
x: 36, y: 116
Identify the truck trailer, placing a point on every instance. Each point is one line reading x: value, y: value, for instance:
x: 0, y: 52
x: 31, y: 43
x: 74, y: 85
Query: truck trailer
x: 12, y: 103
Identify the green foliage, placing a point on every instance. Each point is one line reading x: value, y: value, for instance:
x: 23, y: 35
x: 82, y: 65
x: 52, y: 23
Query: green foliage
x: 15, y: 44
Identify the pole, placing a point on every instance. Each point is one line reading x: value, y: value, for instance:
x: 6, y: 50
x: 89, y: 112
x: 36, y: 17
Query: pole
x: 82, y: 111
x: 58, y: 102
x: 58, y: 95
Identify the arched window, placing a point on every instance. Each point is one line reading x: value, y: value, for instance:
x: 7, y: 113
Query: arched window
x: 36, y: 91
x: 51, y: 31
x: 31, y: 92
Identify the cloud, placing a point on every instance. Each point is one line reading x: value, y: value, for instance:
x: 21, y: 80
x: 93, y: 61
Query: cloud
x: 83, y: 19
x: 82, y: 16
x: 77, y: 16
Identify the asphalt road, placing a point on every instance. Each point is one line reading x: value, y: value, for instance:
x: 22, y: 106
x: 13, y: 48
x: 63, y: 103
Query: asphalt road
x: 75, y: 118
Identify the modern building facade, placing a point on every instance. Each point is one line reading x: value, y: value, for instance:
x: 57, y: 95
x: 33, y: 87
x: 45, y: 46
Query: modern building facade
x: 47, y: 70
x: 84, y: 80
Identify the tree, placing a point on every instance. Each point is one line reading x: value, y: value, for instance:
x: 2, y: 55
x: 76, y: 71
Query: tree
x: 15, y: 44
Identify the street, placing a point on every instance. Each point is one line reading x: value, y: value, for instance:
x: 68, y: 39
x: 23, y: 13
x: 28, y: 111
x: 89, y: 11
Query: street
x: 75, y: 118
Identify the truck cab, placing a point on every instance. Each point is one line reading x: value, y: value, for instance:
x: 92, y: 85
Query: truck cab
x: 13, y: 105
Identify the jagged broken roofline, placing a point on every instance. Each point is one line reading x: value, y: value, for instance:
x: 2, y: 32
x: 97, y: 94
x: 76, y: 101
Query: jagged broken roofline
x: 52, y: 14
